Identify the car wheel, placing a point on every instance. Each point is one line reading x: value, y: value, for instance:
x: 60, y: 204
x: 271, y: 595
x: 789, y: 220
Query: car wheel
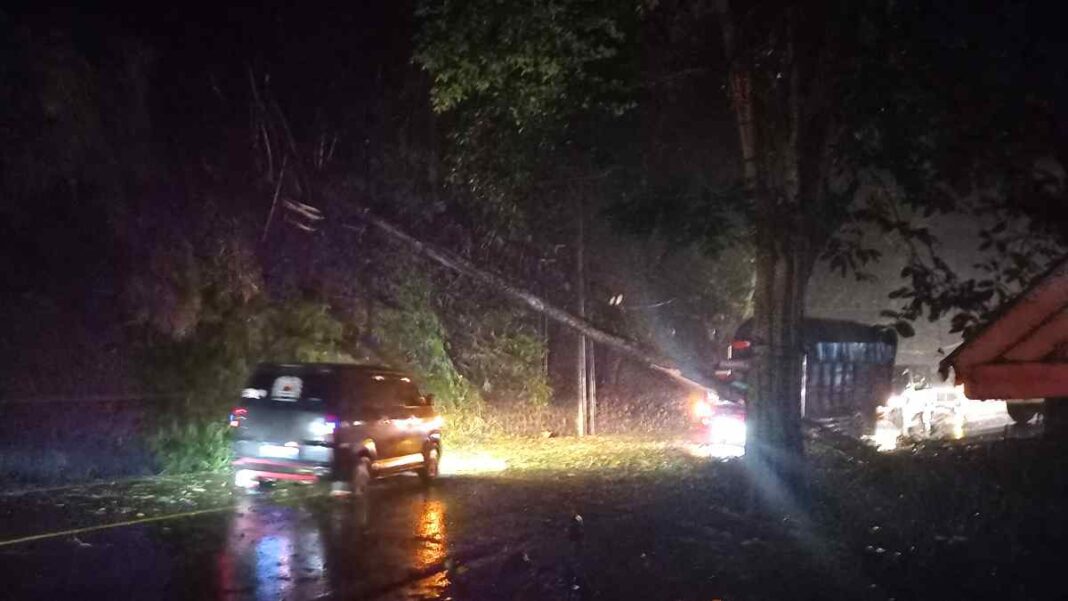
x: 361, y: 477
x: 431, y: 460
x: 1021, y: 413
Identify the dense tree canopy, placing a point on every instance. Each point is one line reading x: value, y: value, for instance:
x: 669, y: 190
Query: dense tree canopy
x: 174, y: 194
x: 849, y: 116
x: 189, y: 197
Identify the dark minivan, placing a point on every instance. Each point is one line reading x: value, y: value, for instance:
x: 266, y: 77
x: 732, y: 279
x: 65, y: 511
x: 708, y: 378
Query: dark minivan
x: 338, y: 422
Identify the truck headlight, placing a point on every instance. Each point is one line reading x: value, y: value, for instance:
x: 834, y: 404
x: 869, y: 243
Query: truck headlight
x: 727, y: 429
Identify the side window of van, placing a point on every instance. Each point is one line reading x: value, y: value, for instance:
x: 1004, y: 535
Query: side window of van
x: 408, y: 394
x: 370, y: 396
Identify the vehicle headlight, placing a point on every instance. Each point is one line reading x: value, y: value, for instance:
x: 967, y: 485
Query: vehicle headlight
x: 729, y: 429
x: 701, y: 409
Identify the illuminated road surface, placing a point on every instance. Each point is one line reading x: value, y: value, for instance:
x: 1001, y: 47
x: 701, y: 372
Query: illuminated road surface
x: 471, y: 537
x: 664, y: 533
x: 974, y: 421
x: 669, y: 529
x: 298, y: 545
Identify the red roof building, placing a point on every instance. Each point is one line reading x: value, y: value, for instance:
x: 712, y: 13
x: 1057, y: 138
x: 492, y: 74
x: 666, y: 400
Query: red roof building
x: 1022, y: 353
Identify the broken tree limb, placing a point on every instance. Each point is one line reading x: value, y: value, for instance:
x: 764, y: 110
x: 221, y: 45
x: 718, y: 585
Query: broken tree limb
x: 461, y: 265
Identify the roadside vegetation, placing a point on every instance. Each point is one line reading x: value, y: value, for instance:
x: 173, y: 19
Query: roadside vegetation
x: 619, y: 456
x: 211, y: 243
x: 972, y: 521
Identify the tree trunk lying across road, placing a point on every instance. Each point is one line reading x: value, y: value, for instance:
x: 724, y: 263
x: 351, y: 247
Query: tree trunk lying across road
x: 461, y: 265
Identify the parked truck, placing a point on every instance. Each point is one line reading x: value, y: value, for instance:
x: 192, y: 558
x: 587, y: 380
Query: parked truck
x: 848, y: 369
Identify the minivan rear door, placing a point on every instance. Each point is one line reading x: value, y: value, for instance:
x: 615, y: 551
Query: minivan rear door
x: 287, y: 408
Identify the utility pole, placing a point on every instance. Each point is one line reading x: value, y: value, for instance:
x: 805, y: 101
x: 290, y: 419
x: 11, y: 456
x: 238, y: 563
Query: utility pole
x: 580, y: 285
x: 587, y: 358
x: 543, y: 321
x: 591, y: 388
x: 650, y: 359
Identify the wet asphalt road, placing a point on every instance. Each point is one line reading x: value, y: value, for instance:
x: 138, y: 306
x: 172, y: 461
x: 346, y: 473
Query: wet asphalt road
x: 669, y: 533
x: 664, y: 534
x: 289, y: 543
x: 466, y: 538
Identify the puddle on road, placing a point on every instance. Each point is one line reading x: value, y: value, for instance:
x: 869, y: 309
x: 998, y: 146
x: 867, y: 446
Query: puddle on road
x: 394, y: 546
x: 432, y: 545
x: 291, y: 543
x: 270, y: 553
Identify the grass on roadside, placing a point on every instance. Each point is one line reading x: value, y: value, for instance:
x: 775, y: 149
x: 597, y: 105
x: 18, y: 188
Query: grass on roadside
x: 604, y: 455
x: 977, y: 521
x: 989, y: 514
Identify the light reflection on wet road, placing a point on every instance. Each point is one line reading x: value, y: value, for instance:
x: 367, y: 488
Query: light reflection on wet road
x: 663, y: 533
x: 431, y: 553
x: 266, y: 548
x: 392, y: 547
x: 468, y: 538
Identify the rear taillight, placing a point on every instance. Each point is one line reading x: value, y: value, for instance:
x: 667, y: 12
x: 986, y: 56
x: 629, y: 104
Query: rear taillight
x: 237, y: 416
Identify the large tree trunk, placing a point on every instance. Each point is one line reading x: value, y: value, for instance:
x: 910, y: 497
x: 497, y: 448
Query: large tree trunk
x: 776, y: 138
x: 774, y: 446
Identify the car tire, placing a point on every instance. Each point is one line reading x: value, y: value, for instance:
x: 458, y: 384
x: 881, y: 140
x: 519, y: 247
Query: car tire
x: 360, y: 480
x: 431, y: 463
x: 1021, y: 413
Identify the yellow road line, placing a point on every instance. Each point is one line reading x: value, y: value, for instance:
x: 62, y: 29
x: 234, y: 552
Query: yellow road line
x: 75, y: 531
x: 195, y: 476
x: 146, y: 520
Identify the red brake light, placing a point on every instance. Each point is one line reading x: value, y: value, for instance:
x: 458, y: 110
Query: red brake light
x: 238, y: 414
x: 740, y: 345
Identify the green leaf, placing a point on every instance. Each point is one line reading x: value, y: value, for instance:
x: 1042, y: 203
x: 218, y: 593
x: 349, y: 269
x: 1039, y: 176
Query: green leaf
x: 904, y: 329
